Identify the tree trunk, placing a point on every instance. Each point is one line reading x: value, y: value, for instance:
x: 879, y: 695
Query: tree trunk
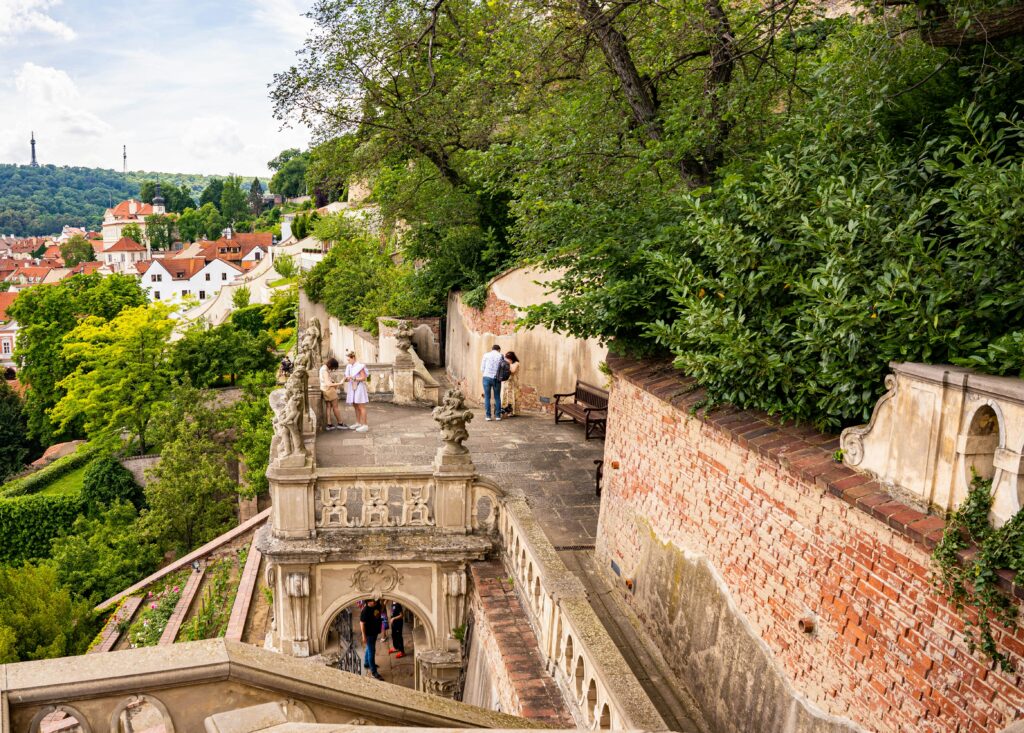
x: 984, y: 27
x: 638, y: 94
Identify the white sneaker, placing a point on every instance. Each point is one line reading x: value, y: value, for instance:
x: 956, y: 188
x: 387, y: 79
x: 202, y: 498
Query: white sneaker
x: 487, y: 419
x: 361, y: 428
x: 329, y: 428
x: 497, y: 419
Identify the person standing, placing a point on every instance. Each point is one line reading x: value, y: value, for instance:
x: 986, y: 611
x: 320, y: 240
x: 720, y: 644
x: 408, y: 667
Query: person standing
x: 397, y: 626
x: 510, y: 394
x: 357, y: 394
x: 369, y: 626
x: 329, y: 390
x: 492, y: 385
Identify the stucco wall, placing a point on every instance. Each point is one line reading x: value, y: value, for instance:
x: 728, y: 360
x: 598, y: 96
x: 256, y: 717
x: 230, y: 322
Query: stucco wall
x: 551, y: 362
x: 722, y: 532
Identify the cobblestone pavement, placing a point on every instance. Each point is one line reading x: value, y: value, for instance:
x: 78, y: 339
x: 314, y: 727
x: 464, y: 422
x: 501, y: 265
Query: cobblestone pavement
x: 552, y: 464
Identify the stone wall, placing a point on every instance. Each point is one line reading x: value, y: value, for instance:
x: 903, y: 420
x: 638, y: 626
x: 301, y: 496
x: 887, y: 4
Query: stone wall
x: 138, y: 466
x: 723, y: 532
x: 551, y: 363
x: 426, y: 339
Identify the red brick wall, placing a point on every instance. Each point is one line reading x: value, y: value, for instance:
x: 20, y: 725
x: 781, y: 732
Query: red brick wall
x: 497, y: 317
x: 790, y: 532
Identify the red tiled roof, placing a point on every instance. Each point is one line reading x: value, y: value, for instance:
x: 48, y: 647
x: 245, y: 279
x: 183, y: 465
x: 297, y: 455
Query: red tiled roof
x: 240, y: 244
x: 123, y: 210
x: 8, y: 265
x: 185, y: 268
x: 30, y: 271
x: 5, y: 300
x: 143, y: 266
x: 86, y: 268
x: 125, y: 244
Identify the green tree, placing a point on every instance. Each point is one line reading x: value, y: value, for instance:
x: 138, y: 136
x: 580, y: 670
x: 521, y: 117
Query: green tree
x: 284, y: 307
x: 106, y: 481
x: 45, y: 316
x: 76, y: 250
x: 212, y: 193
x: 190, y: 226
x: 212, y: 223
x: 331, y: 165
x: 160, y: 231
x: 253, y: 420
x: 241, y: 297
x: 120, y: 374
x: 255, y: 197
x: 233, y: 202
x: 14, y: 440
x: 132, y: 231
x: 285, y: 265
x: 212, y: 356
x: 190, y: 490
x: 179, y: 199
x: 39, y: 619
x: 101, y: 555
x: 289, y: 177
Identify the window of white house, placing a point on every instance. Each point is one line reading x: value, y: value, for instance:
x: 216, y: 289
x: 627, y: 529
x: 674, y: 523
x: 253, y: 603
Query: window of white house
x: 184, y: 293
x: 202, y: 295
x: 207, y: 277
x: 156, y: 295
x: 156, y: 278
x: 223, y: 276
x: 5, y: 347
x: 258, y: 254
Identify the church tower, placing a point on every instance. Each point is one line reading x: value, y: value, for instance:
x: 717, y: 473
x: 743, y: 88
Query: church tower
x: 158, y: 201
x: 34, y: 163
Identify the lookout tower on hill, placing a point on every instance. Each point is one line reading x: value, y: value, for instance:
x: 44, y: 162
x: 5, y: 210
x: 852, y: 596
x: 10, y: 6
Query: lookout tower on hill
x: 34, y: 163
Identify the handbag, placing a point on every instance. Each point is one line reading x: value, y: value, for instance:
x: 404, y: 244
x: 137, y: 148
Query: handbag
x: 330, y: 393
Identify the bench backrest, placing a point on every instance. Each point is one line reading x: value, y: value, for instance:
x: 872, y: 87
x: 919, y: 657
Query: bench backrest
x: 590, y: 395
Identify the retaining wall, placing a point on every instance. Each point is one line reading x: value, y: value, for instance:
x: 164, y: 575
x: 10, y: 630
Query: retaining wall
x: 723, y: 532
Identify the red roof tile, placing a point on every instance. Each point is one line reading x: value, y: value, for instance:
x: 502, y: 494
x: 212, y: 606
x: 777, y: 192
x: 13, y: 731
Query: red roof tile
x: 123, y: 210
x: 125, y: 244
x: 5, y: 300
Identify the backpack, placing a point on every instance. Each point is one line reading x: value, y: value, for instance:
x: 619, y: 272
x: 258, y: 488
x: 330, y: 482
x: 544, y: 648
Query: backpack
x: 504, y: 371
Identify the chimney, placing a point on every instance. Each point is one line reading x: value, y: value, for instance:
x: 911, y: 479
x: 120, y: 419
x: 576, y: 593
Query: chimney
x: 133, y: 206
x: 226, y: 233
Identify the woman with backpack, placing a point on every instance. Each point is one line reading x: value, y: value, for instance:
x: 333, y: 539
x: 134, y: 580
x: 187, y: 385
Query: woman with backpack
x: 329, y: 390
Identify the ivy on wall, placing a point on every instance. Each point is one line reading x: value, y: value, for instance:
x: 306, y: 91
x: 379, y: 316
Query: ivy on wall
x: 972, y: 585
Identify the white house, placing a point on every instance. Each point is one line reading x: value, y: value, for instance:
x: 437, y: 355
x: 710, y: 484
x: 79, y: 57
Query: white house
x: 123, y: 254
x: 171, y: 279
x: 8, y: 331
x: 127, y: 212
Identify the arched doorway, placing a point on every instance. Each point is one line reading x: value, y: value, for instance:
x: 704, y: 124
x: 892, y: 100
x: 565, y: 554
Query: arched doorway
x: 394, y: 650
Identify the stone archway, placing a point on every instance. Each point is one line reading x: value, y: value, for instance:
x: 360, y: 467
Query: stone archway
x: 407, y: 601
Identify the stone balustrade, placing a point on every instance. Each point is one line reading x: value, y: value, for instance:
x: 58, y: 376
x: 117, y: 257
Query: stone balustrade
x: 600, y: 689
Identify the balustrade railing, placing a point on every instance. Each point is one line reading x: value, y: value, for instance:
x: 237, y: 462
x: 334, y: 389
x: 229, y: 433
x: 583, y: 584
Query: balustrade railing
x: 597, y: 683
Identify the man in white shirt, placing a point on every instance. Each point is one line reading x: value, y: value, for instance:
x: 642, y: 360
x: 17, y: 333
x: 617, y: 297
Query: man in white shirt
x: 489, y: 368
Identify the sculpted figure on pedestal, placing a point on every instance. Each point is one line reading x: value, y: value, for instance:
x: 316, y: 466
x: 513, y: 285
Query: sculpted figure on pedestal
x: 452, y: 416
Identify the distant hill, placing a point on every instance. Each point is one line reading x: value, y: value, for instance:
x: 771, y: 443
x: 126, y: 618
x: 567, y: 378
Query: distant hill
x: 37, y: 201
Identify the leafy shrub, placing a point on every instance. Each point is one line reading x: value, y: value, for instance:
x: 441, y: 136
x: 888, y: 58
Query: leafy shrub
x: 39, y: 618
x: 35, y: 482
x: 107, y: 481
x: 157, y: 608
x: 285, y: 266
x: 28, y: 524
x: 241, y: 297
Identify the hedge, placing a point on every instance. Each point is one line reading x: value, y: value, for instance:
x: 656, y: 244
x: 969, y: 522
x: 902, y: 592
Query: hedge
x: 28, y: 524
x: 39, y: 480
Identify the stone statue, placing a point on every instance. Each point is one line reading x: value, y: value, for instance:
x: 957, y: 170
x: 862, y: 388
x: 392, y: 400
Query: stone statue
x: 312, y: 343
x: 452, y: 416
x: 403, y: 337
x: 287, y: 404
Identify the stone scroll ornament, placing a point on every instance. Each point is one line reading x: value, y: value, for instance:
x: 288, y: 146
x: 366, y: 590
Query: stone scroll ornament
x: 375, y: 578
x: 452, y: 416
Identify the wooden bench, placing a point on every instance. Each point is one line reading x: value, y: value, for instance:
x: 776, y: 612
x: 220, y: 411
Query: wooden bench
x: 588, y: 405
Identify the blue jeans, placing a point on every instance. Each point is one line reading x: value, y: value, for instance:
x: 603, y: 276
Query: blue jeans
x: 370, y: 656
x: 492, y: 386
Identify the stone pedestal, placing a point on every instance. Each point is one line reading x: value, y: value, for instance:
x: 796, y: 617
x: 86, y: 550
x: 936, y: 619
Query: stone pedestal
x: 439, y: 672
x: 292, y: 498
x: 403, y: 383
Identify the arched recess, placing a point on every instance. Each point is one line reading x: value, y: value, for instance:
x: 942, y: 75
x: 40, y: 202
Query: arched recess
x: 985, y: 433
x: 567, y: 655
x: 406, y: 600
x: 590, y: 705
x: 605, y: 720
x: 115, y: 723
x: 83, y: 723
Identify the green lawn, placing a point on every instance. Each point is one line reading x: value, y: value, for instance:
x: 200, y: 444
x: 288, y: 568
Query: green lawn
x: 283, y: 281
x: 68, y: 484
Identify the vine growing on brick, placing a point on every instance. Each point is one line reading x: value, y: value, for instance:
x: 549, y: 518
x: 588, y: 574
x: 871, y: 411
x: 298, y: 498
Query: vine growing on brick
x: 972, y: 583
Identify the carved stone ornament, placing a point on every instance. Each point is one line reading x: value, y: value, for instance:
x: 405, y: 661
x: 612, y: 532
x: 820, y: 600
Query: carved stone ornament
x: 331, y: 509
x: 298, y: 585
x: 452, y: 416
x: 375, y: 578
x: 403, y: 337
x: 376, y: 512
x: 416, y: 507
x: 455, y: 588
x: 287, y: 405
x: 851, y: 440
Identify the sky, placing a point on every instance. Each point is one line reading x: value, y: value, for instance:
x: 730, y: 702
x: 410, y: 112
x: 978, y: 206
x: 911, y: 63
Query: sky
x: 182, y: 83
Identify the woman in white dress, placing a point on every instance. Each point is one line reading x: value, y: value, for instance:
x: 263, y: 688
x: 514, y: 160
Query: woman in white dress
x: 355, y: 387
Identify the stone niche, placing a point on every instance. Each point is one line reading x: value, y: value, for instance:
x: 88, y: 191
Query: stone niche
x: 935, y: 426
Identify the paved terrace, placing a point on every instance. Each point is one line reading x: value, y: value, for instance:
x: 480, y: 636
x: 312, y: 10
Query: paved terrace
x: 552, y: 464
x: 554, y: 467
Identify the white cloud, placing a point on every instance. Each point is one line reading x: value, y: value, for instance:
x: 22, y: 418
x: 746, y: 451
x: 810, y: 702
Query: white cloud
x: 21, y: 17
x: 51, y: 98
x: 287, y: 16
x: 213, y: 137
